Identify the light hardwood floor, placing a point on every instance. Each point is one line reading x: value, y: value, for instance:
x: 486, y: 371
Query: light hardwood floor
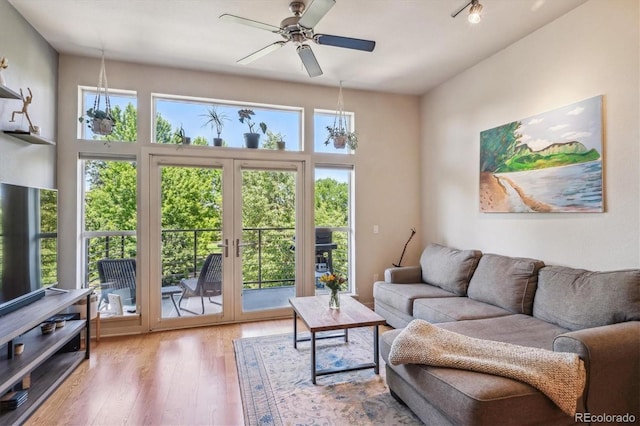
x: 180, y: 377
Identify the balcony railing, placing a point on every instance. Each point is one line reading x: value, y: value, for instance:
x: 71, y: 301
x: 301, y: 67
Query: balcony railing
x: 268, y: 259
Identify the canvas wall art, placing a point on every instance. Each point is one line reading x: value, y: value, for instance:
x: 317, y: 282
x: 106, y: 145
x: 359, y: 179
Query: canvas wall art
x: 551, y: 162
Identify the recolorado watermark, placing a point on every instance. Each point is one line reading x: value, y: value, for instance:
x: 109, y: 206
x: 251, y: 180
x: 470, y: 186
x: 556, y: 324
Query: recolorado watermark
x: 604, y: 418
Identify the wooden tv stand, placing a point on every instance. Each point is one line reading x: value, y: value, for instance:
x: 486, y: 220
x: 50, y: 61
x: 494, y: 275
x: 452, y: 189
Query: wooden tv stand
x: 40, y: 358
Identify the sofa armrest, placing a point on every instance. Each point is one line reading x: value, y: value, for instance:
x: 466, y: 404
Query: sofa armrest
x: 403, y: 275
x: 611, y: 354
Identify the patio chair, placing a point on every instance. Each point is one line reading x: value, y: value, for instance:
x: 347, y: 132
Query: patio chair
x: 207, y: 284
x: 117, y: 276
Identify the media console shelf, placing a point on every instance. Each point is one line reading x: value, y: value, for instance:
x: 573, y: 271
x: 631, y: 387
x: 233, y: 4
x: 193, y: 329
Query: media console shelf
x: 48, y: 368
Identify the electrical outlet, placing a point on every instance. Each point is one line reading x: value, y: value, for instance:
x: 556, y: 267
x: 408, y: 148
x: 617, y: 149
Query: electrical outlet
x: 376, y: 229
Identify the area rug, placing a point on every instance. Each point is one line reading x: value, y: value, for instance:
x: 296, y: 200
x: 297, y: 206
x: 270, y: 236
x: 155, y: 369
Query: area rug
x: 276, y: 388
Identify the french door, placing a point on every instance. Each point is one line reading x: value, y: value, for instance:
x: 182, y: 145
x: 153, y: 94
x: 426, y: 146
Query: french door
x: 223, y: 239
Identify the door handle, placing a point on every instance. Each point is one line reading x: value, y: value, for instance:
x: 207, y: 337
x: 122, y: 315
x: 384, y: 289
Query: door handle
x: 239, y: 244
x: 225, y: 246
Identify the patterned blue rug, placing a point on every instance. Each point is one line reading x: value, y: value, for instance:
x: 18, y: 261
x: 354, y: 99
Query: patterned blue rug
x: 276, y: 388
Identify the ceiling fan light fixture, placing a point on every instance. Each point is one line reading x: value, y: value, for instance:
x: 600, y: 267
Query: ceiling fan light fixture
x: 475, y: 12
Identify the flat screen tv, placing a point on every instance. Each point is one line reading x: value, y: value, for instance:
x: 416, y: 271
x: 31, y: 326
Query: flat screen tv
x: 28, y: 244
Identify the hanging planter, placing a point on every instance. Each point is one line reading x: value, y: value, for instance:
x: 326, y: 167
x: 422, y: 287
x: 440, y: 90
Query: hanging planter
x: 339, y: 133
x: 100, y: 121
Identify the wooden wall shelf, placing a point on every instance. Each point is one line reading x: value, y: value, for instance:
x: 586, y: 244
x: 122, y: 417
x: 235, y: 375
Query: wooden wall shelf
x: 7, y: 93
x: 29, y: 137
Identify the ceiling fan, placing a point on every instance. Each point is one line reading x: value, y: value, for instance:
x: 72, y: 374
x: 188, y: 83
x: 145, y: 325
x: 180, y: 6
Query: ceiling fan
x: 299, y: 29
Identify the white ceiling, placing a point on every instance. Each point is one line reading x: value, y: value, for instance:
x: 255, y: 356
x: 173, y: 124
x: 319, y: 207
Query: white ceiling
x: 418, y: 45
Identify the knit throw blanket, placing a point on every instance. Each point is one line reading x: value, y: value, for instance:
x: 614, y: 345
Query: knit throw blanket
x: 559, y: 375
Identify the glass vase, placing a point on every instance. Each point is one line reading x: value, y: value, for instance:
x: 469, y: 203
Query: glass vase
x: 334, y: 299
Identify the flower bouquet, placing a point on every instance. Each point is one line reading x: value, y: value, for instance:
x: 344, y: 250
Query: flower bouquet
x: 334, y: 282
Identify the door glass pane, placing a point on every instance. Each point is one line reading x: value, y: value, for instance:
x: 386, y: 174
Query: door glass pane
x: 332, y: 219
x: 268, y: 244
x: 191, y: 231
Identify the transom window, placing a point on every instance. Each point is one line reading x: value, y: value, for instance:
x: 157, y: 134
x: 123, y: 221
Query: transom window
x: 123, y: 110
x: 193, y: 118
x: 323, y: 119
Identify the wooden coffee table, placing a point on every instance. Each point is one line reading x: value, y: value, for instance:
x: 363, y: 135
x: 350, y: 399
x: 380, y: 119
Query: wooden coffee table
x: 317, y: 316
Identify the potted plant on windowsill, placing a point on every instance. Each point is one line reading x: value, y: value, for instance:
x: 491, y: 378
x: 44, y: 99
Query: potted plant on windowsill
x: 216, y: 119
x: 100, y: 122
x: 184, y: 139
x: 252, y: 139
x: 274, y: 141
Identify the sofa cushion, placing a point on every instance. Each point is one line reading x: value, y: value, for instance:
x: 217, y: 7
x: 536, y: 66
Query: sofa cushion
x: 445, y: 309
x: 392, y: 316
x: 518, y: 329
x: 578, y: 299
x: 401, y: 296
x: 507, y: 282
x: 448, y: 268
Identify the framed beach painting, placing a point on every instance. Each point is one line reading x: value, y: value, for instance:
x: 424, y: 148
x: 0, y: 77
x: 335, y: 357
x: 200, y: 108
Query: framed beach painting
x: 550, y: 162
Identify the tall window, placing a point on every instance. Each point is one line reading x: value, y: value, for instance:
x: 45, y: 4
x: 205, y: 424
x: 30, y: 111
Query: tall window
x: 48, y: 235
x: 109, y: 217
x: 333, y: 186
x: 333, y: 202
x: 123, y: 110
x: 193, y: 118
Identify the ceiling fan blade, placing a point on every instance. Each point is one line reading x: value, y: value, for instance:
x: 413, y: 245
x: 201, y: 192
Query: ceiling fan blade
x: 347, y: 42
x: 309, y: 60
x: 315, y: 12
x: 262, y: 52
x: 250, y: 22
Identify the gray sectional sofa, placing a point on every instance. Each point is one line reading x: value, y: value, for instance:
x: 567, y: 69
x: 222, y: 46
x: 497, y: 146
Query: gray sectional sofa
x: 519, y: 301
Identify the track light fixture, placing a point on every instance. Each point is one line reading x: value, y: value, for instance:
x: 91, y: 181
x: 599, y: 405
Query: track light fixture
x: 475, y: 11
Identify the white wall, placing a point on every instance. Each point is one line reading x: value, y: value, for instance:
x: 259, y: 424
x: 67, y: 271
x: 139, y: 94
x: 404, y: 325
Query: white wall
x: 592, y: 50
x: 387, y: 160
x: 32, y: 64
